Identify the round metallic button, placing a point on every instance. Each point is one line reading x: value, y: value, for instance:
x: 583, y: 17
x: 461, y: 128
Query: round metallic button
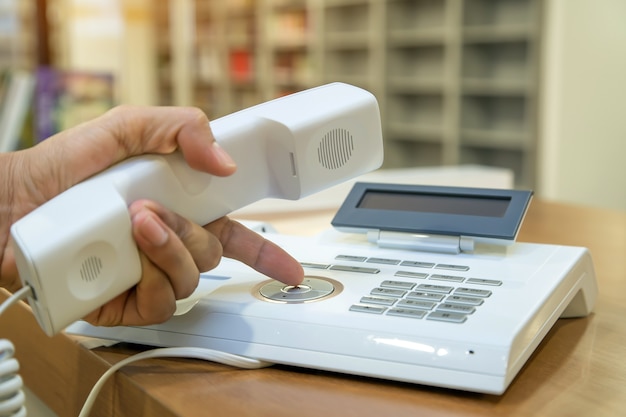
x: 311, y: 289
x: 296, y: 289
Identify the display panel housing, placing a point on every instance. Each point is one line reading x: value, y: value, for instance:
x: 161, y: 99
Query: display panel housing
x: 452, y: 211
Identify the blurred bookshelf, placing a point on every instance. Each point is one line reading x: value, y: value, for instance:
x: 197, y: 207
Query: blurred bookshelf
x: 17, y: 35
x: 18, y: 53
x: 457, y: 80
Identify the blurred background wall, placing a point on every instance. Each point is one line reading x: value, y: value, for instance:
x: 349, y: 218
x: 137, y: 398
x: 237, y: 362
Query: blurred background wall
x: 534, y: 86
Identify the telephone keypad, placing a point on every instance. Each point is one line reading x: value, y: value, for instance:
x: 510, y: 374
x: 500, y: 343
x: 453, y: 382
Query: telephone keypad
x: 410, y: 299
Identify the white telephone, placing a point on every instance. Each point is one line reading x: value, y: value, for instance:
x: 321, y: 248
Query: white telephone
x: 465, y: 311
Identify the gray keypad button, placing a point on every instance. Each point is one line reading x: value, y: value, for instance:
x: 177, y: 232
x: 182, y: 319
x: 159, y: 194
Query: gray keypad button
x: 368, y: 299
x: 361, y: 308
x: 416, y: 264
x: 452, y: 267
x: 459, y: 299
x: 408, y: 274
x: 442, y: 289
x: 427, y: 296
x: 358, y: 269
x: 351, y: 258
x: 383, y: 261
x: 447, y: 316
x: 480, y: 281
x: 406, y: 312
x: 387, y: 292
x: 402, y: 285
x: 472, y: 292
x: 314, y: 265
x: 421, y: 305
x: 449, y: 278
x: 456, y: 308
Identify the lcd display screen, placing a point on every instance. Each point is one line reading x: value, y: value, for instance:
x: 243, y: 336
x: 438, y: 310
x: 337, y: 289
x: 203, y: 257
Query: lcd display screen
x: 468, y: 205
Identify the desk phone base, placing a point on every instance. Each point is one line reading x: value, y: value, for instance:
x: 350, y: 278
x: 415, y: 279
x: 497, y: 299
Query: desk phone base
x: 468, y: 321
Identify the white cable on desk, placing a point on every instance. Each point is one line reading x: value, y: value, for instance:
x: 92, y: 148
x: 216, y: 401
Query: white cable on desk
x: 11, y: 396
x: 183, y: 352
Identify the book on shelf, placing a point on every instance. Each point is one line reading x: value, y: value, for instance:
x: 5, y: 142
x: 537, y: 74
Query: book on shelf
x: 289, y: 28
x: 242, y: 66
x: 16, y: 94
x: 64, y: 99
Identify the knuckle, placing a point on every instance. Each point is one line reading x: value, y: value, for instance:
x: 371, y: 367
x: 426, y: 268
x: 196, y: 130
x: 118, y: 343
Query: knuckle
x: 210, y: 260
x: 162, y: 314
x: 188, y: 287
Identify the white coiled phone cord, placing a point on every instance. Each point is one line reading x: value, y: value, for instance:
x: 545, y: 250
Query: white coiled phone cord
x: 11, y: 395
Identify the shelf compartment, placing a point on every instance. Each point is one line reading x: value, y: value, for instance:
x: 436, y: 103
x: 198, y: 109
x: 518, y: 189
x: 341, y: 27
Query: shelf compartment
x: 410, y: 85
x: 349, y: 18
x: 416, y: 37
x: 494, y: 113
x: 497, y: 87
x: 497, y: 12
x: 287, y: 4
x: 416, y: 63
x: 490, y: 34
x: 238, y: 8
x: 515, y: 141
x: 362, y: 81
x: 416, y: 110
x: 244, y: 96
x: 498, y: 62
x: 351, y: 40
x: 415, y: 14
x: 241, y: 31
x: 347, y: 62
x: 410, y: 153
x: 414, y: 133
x: 514, y: 160
x: 288, y: 27
x: 292, y: 68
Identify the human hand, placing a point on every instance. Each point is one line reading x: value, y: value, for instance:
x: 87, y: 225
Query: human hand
x: 173, y: 249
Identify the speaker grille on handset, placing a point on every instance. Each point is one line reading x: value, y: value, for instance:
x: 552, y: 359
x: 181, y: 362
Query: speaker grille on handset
x: 90, y: 269
x: 335, y: 148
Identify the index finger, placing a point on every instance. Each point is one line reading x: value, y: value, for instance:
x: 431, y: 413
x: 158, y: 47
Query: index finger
x: 244, y: 245
x: 126, y: 131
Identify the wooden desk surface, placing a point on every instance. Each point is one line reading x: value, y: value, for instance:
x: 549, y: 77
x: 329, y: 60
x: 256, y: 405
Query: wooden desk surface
x: 578, y: 370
